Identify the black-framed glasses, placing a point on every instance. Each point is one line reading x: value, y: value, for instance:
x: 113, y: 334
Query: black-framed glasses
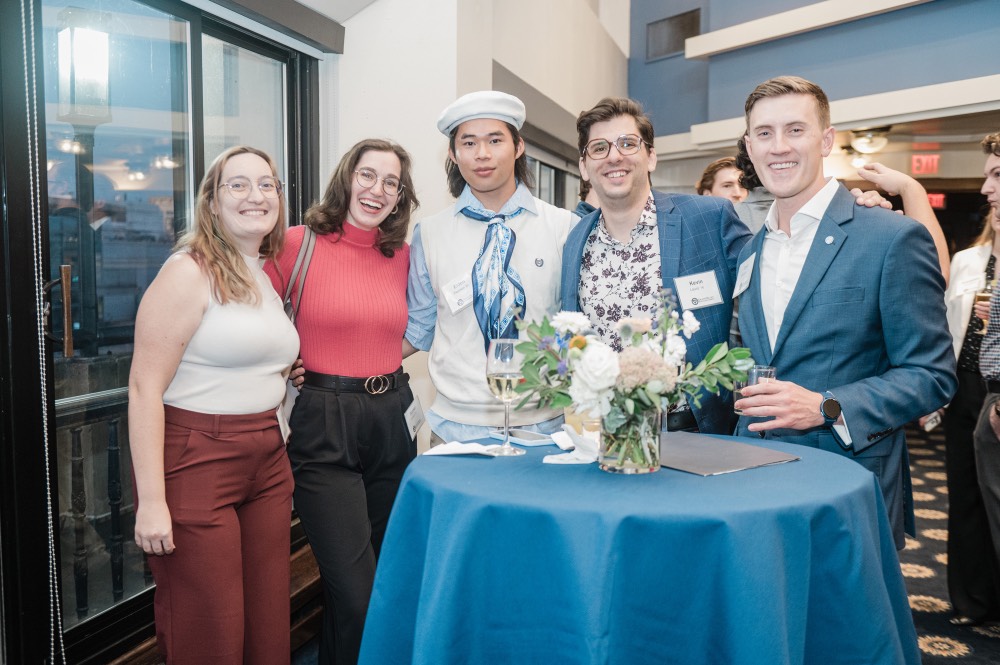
x: 390, y: 184
x: 627, y: 144
x: 240, y: 187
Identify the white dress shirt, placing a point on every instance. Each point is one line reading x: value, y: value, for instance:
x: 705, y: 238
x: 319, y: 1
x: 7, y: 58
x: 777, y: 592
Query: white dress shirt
x: 781, y: 261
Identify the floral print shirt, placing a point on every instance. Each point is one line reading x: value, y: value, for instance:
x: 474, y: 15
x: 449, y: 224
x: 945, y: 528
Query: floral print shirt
x: 621, y: 280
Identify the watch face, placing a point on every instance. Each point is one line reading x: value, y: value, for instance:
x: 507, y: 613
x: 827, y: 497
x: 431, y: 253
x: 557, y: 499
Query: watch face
x: 831, y: 408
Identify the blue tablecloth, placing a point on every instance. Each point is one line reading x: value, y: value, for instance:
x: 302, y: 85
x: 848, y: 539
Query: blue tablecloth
x: 513, y: 561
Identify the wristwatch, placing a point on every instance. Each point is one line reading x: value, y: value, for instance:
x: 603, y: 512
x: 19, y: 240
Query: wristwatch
x: 829, y: 408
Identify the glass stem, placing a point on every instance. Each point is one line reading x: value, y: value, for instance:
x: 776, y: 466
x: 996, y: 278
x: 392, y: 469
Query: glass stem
x: 506, y: 424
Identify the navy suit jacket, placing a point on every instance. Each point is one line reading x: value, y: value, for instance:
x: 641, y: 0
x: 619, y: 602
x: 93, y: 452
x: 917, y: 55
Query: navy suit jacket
x: 697, y: 234
x: 866, y: 322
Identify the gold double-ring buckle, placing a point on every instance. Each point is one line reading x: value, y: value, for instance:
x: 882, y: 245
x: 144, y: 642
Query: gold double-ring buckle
x: 376, y: 385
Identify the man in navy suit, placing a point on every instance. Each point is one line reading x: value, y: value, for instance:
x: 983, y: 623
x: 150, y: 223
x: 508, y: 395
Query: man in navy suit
x: 846, y: 302
x: 617, y: 258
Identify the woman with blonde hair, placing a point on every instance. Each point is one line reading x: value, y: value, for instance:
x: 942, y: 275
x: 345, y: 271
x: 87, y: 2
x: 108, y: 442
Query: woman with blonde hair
x: 213, y: 485
x: 973, y: 578
x: 350, y: 442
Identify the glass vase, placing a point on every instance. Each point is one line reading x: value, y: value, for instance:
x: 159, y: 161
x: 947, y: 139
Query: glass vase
x: 583, y: 423
x: 634, y: 447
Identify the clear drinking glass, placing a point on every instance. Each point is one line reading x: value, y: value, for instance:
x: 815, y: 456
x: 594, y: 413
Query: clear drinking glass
x: 738, y: 385
x: 503, y: 372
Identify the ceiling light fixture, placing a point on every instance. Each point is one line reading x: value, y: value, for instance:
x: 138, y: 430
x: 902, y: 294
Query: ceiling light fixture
x: 870, y: 141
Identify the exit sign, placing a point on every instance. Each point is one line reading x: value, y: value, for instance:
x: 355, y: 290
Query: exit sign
x: 936, y: 199
x: 924, y: 164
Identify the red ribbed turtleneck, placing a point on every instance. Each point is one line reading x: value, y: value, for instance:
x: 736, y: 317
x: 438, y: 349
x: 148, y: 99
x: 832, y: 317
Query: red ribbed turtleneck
x: 353, y: 311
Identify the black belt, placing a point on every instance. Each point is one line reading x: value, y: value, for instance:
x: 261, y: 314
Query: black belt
x: 993, y: 386
x: 373, y: 385
x: 682, y: 421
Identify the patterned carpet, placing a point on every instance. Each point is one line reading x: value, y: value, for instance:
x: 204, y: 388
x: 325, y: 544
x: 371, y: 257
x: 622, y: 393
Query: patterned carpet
x: 924, y: 564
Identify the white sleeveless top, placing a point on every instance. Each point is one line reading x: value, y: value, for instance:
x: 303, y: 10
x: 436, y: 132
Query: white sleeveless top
x: 239, y: 356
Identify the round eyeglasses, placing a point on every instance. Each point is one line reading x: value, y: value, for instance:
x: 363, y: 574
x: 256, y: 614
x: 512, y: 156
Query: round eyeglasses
x: 390, y: 184
x: 627, y: 144
x: 240, y: 187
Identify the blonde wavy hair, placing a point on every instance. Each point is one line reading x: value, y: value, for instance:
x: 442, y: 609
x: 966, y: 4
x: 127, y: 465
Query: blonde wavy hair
x: 212, y: 247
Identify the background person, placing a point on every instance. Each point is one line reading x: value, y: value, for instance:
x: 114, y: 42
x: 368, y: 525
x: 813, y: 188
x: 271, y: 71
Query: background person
x: 973, y: 575
x: 213, y: 486
x: 350, y: 441
x: 722, y: 178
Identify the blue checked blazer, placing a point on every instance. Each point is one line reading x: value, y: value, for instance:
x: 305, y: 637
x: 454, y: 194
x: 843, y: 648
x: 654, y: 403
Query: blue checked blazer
x: 697, y: 234
x: 866, y: 322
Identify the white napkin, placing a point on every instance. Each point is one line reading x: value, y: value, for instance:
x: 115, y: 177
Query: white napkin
x: 458, y: 448
x: 583, y: 450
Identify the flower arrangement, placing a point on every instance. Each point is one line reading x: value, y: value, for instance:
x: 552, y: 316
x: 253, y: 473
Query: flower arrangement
x: 564, y: 366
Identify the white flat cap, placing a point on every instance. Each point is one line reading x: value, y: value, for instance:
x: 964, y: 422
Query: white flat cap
x: 482, y: 104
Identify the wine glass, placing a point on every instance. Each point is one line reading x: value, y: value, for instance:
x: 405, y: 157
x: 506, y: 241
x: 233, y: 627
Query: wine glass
x: 503, y: 372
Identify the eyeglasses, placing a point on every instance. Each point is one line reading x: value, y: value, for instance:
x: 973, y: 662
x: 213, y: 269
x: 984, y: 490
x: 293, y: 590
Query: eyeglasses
x: 627, y: 144
x: 240, y: 187
x: 390, y: 184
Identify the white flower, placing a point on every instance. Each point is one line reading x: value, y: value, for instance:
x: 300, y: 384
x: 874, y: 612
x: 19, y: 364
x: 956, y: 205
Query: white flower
x: 597, y: 368
x: 691, y: 324
x: 675, y: 350
x: 570, y: 323
x: 595, y: 404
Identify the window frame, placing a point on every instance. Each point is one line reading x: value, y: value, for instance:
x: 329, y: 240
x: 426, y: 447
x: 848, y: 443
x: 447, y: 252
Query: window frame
x: 28, y: 411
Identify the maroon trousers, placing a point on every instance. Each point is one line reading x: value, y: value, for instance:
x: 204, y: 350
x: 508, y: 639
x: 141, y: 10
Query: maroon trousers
x: 222, y: 595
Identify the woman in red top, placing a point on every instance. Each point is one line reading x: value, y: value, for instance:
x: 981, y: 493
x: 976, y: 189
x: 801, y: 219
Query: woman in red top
x: 350, y: 443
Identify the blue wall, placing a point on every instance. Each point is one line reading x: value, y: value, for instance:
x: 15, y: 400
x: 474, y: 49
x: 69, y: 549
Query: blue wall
x: 673, y: 90
x: 936, y: 42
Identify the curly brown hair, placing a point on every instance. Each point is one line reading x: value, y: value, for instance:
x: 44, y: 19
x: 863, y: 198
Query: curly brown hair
x: 991, y: 144
x: 328, y: 215
x: 610, y: 108
x: 211, y: 245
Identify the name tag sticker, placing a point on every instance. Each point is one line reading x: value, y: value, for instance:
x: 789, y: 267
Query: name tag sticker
x: 414, y: 415
x: 698, y: 290
x: 744, y: 275
x: 458, y: 293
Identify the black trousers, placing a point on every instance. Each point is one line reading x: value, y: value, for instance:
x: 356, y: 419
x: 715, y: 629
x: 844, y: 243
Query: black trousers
x: 973, y: 573
x: 348, y: 453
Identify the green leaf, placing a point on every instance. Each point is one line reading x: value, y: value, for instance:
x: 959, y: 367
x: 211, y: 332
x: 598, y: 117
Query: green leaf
x: 718, y: 351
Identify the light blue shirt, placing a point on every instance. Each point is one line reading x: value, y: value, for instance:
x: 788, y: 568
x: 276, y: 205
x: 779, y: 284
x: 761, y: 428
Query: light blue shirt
x: 420, y: 298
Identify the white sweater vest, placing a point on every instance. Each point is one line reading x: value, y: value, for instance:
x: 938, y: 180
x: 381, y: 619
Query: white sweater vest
x: 457, y: 361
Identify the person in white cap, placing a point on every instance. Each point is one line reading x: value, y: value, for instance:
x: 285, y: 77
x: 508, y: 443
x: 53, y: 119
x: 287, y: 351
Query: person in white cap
x: 493, y: 255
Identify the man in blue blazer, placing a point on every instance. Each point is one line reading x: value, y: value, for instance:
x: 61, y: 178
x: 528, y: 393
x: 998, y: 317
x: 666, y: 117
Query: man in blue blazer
x: 617, y: 258
x: 847, y: 303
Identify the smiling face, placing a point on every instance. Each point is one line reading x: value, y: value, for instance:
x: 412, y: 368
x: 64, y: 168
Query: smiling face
x: 727, y: 185
x: 787, y: 143
x: 485, y: 153
x: 371, y: 205
x: 621, y: 181
x: 249, y: 220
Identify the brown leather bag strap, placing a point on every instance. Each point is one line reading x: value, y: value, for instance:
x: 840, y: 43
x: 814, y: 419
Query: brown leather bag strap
x: 301, y: 267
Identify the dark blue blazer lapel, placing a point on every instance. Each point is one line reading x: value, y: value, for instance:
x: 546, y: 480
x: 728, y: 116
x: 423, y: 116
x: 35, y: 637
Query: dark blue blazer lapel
x: 818, y: 261
x: 668, y: 222
x: 751, y: 308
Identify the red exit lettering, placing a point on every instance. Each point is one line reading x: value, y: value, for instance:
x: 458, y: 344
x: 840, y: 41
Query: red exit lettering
x: 936, y: 200
x: 924, y: 164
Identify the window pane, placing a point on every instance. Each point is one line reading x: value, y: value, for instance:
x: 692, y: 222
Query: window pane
x: 244, y: 101
x: 572, y: 192
x: 119, y: 172
x: 667, y: 36
x: 546, y: 183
